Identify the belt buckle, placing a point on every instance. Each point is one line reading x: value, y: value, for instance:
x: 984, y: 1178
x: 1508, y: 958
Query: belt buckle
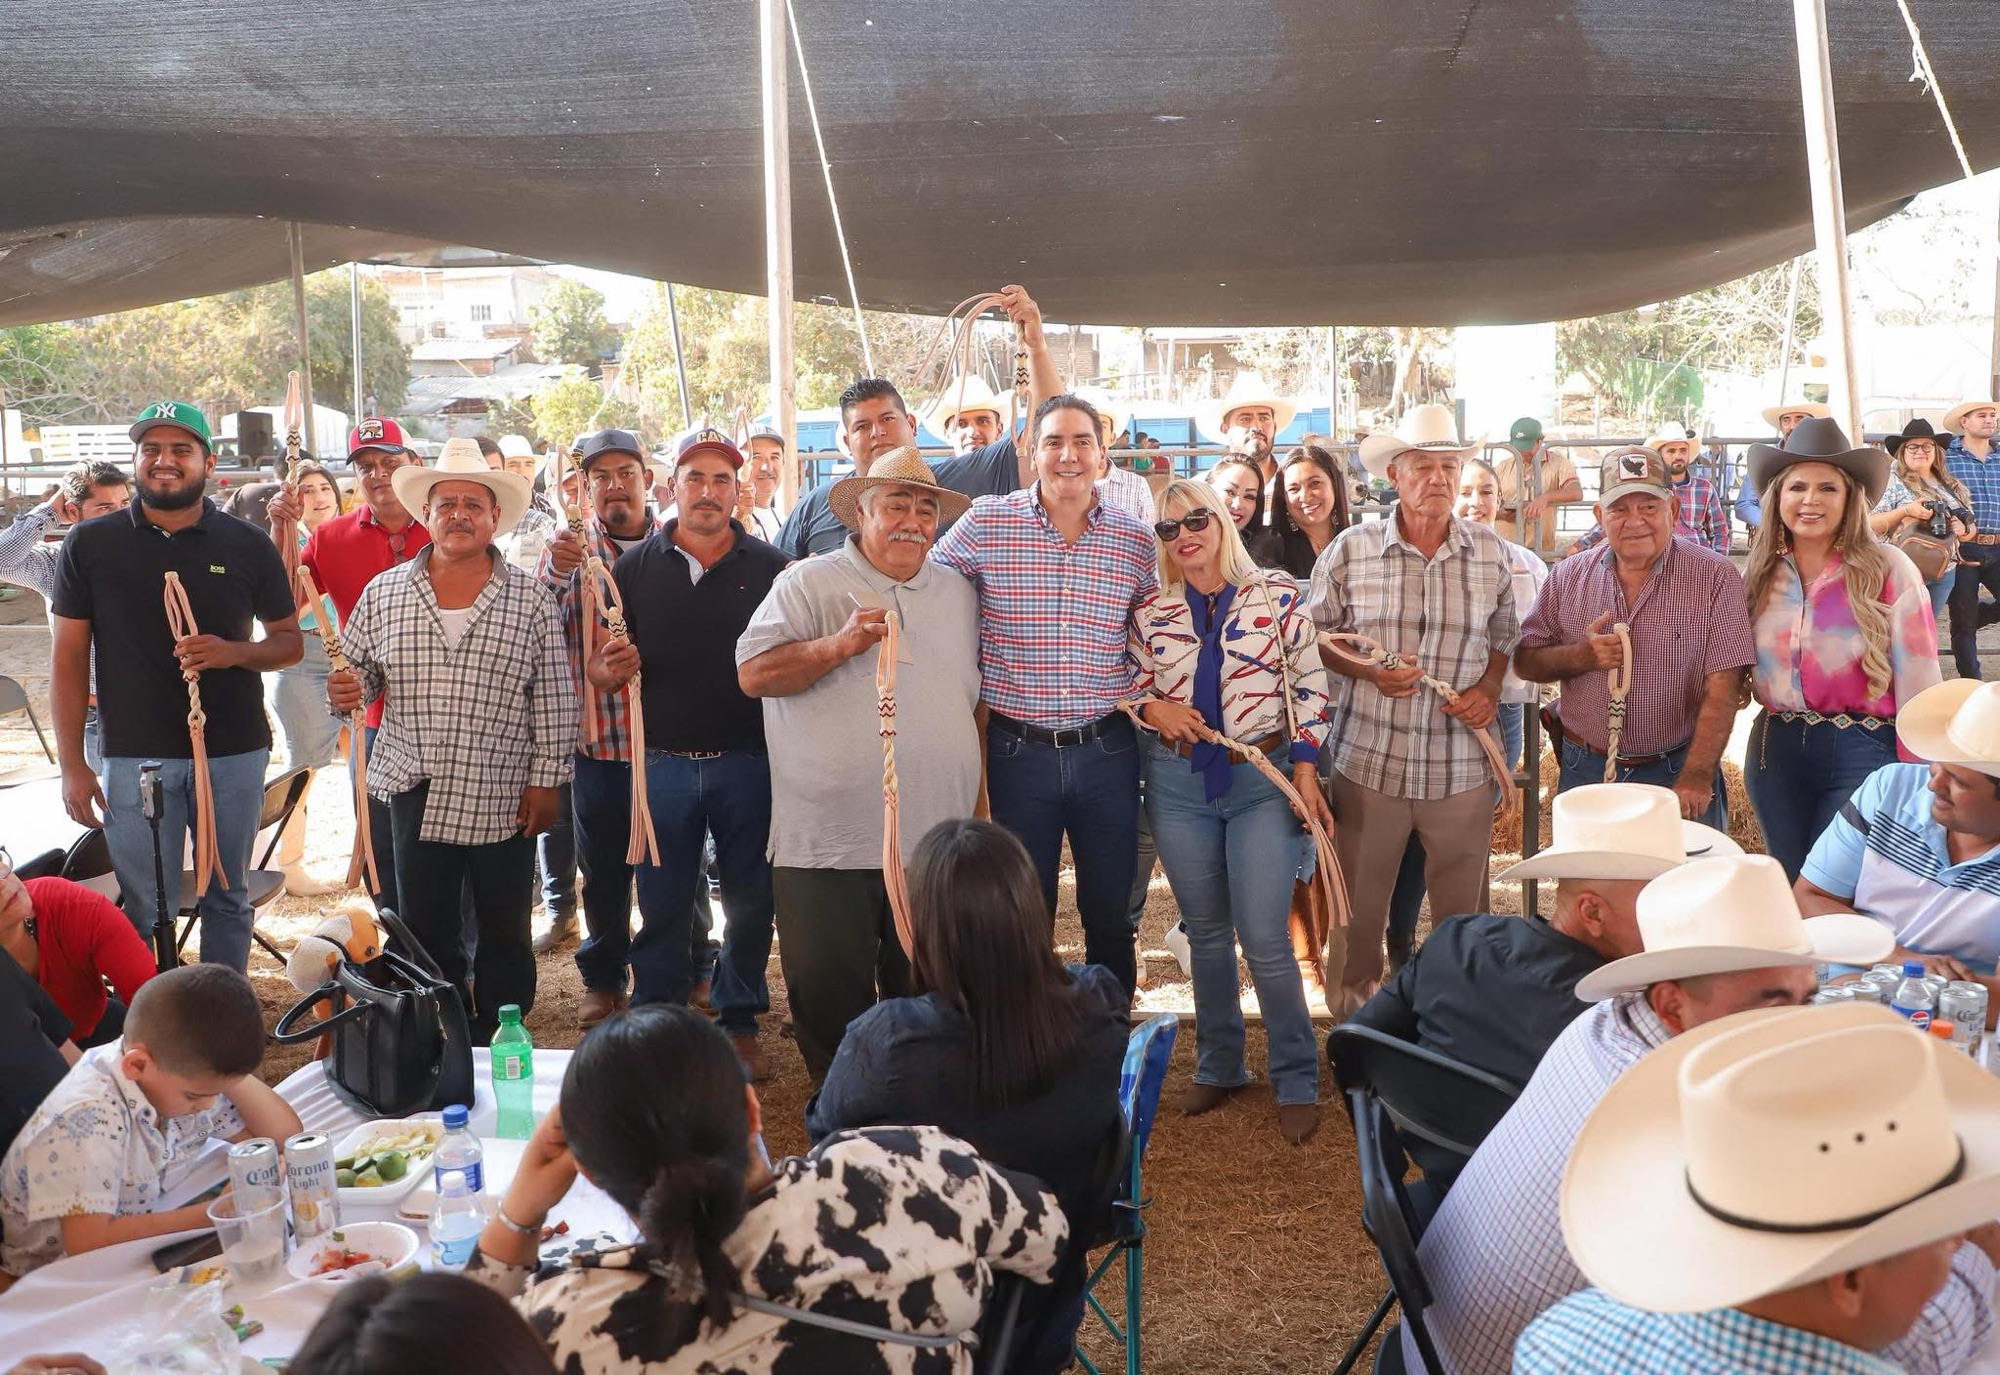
x: 1068, y: 737
x: 702, y: 754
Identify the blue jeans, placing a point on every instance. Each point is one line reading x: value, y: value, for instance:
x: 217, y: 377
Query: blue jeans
x: 555, y: 855
x: 298, y: 700
x: 381, y: 834
x: 1090, y: 791
x: 1581, y: 766
x: 1941, y: 592
x: 238, y: 783
x: 1980, y: 569
x: 730, y: 797
x: 1799, y: 775
x: 1231, y: 863
x: 601, y: 807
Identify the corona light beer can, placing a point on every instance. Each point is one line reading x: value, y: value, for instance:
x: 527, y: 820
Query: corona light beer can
x: 309, y: 1174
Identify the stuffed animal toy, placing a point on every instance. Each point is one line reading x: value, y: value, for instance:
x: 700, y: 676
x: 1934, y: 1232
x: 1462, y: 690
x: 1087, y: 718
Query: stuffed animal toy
x: 348, y: 931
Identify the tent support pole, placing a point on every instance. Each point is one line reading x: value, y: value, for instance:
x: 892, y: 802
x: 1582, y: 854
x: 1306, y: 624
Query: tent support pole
x: 1829, y: 213
x: 297, y: 235
x: 354, y: 302
x: 778, y: 236
x: 1789, y: 341
x: 680, y: 358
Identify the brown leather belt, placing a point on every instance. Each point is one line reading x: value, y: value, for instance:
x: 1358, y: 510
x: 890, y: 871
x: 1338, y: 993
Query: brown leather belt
x: 1264, y: 746
x: 1981, y: 539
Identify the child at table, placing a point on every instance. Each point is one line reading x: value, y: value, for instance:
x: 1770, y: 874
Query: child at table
x: 90, y: 1166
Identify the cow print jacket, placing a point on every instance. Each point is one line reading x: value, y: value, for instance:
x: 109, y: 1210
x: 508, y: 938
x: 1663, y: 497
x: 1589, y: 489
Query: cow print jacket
x: 897, y: 1227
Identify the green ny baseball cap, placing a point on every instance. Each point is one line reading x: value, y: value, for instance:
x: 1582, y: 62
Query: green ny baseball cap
x: 1525, y: 435
x: 178, y: 414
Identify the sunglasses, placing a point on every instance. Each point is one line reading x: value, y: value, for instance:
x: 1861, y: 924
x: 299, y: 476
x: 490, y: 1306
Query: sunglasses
x: 1195, y: 521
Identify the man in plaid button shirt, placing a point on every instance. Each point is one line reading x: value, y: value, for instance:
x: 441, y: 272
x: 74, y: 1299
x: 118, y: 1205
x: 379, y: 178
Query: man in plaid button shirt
x: 478, y: 727
x: 1700, y: 514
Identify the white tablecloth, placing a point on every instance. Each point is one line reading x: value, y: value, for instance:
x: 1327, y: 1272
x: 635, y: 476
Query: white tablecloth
x: 76, y: 1304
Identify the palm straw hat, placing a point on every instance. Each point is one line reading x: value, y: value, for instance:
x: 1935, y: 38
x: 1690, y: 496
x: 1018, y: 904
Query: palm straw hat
x: 1430, y: 427
x: 902, y: 466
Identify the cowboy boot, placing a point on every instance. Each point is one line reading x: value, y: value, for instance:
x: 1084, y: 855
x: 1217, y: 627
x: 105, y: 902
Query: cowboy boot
x: 292, y: 857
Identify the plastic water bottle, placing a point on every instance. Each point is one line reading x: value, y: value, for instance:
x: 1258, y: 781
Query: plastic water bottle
x: 513, y: 1077
x: 1914, y: 999
x: 456, y: 1222
x: 458, y: 1152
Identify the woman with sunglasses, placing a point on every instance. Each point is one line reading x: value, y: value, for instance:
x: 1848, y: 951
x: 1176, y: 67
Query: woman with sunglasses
x: 1224, y: 647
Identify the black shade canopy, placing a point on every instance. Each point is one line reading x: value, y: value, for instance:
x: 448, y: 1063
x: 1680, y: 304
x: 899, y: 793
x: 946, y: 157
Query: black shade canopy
x: 1132, y: 161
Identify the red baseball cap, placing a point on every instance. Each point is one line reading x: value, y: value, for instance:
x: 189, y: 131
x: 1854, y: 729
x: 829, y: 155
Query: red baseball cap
x: 375, y: 432
x: 705, y: 437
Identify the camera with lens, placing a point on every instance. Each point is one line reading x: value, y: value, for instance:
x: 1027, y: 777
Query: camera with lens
x: 1943, y: 513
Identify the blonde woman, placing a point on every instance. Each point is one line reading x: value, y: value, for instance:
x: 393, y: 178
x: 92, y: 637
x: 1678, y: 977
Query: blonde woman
x: 1923, y: 493
x: 1228, y: 646
x: 1843, y: 630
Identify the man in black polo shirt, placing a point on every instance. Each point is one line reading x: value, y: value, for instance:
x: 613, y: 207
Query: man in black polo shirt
x: 110, y: 594
x: 689, y: 591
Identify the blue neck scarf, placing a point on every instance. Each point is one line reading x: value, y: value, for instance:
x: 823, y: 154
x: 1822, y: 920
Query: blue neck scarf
x: 1208, y: 616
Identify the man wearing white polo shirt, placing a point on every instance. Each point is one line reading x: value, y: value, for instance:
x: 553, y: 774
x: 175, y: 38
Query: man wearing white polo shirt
x: 1918, y: 846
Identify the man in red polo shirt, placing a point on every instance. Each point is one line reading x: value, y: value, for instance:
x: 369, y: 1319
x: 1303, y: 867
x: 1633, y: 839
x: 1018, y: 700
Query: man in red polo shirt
x: 345, y: 553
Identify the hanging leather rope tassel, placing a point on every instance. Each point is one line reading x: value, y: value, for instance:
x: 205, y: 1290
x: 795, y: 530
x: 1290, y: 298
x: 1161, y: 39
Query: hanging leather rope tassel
x: 1373, y: 655
x: 951, y: 351
x: 362, y: 856
x: 893, y: 878
x: 285, y: 533
x: 207, y: 860
x: 1620, y: 684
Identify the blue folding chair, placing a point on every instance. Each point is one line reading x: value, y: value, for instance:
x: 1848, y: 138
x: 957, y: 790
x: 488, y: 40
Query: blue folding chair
x: 1139, y: 1085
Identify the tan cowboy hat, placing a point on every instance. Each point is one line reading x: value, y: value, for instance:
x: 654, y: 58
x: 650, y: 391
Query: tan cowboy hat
x: 1763, y: 1151
x: 1811, y: 410
x: 902, y: 466
x: 1717, y: 916
x: 1115, y: 414
x: 1246, y: 389
x: 1955, y: 722
x: 1630, y: 831
x: 461, y: 461
x: 1674, y: 434
x: 1430, y: 427
x: 1820, y: 440
x: 961, y: 394
x: 1954, y: 419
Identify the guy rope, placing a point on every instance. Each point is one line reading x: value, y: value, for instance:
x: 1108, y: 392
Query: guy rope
x: 1619, y: 683
x: 892, y: 831
x: 286, y: 532
x: 1373, y: 655
x: 207, y: 860
x: 603, y: 622
x: 363, y: 855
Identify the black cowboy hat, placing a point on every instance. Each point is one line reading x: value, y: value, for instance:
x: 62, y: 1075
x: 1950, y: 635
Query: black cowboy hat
x: 1918, y: 429
x: 1820, y: 440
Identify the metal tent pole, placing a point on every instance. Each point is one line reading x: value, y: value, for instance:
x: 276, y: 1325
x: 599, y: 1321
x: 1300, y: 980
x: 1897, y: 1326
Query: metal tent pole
x: 1829, y: 212
x: 354, y: 301
x: 680, y: 358
x: 1791, y: 326
x: 297, y: 235
x: 778, y: 236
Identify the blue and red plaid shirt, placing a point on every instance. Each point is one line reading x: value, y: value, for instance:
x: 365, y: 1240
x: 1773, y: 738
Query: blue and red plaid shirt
x: 1702, y: 516
x: 614, y: 709
x: 1053, y: 617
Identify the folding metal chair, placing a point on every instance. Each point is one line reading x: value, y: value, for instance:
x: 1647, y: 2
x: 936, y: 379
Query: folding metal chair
x: 282, y: 796
x: 1407, y: 1102
x: 1139, y: 1084
x: 13, y: 698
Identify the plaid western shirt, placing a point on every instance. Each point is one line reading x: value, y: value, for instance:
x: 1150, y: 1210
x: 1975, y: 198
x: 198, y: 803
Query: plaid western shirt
x: 1981, y: 477
x: 1053, y: 617
x: 481, y: 721
x: 28, y: 561
x: 1449, y: 612
x: 1592, y: 1332
x: 1494, y: 1254
x: 1700, y: 516
x: 614, y: 709
x: 1691, y: 619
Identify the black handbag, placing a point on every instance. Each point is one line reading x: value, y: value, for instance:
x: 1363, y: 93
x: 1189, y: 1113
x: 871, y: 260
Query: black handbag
x: 400, y: 1040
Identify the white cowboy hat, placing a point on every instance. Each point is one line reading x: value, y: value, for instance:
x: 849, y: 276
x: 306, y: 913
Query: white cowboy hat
x: 516, y: 446
x: 1674, y: 434
x: 1430, y: 427
x: 1630, y: 831
x: 1955, y: 722
x: 1716, y: 916
x: 1246, y: 389
x: 1955, y: 417
x: 962, y: 394
x: 1116, y: 414
x: 1811, y: 410
x: 1775, y: 1147
x: 461, y: 461
x: 902, y: 466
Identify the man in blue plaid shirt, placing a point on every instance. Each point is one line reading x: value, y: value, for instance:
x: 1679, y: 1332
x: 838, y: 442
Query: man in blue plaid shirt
x: 1972, y: 460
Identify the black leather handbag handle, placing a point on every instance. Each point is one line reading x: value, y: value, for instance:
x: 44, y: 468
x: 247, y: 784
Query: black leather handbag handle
x: 288, y: 1033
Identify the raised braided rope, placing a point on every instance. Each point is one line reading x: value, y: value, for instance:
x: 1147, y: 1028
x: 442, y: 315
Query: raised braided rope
x: 1619, y: 684
x: 950, y: 354
x: 361, y: 856
x: 285, y: 533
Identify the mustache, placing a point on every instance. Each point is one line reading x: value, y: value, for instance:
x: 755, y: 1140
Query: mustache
x: 908, y: 537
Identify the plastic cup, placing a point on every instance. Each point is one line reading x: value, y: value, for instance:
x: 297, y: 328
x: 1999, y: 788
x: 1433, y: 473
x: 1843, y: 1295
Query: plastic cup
x: 253, y: 1239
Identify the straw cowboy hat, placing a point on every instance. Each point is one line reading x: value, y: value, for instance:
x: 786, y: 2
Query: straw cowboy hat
x: 1115, y: 414
x: 1717, y: 916
x: 1630, y: 831
x: 902, y: 466
x: 1954, y: 418
x: 461, y: 461
x: 1430, y: 427
x: 1247, y: 389
x: 961, y: 394
x: 1919, y: 428
x: 1674, y: 434
x: 1955, y: 722
x: 1763, y: 1151
x: 1821, y: 441
x: 1811, y: 410
x: 516, y: 446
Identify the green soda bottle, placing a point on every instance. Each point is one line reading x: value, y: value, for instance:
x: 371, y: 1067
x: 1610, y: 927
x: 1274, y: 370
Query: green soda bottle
x: 513, y: 1077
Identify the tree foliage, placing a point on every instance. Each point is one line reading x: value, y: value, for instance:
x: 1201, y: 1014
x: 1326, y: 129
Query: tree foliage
x: 569, y: 326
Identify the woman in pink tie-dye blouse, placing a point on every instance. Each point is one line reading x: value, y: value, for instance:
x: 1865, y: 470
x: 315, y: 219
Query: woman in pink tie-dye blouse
x: 1843, y: 629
